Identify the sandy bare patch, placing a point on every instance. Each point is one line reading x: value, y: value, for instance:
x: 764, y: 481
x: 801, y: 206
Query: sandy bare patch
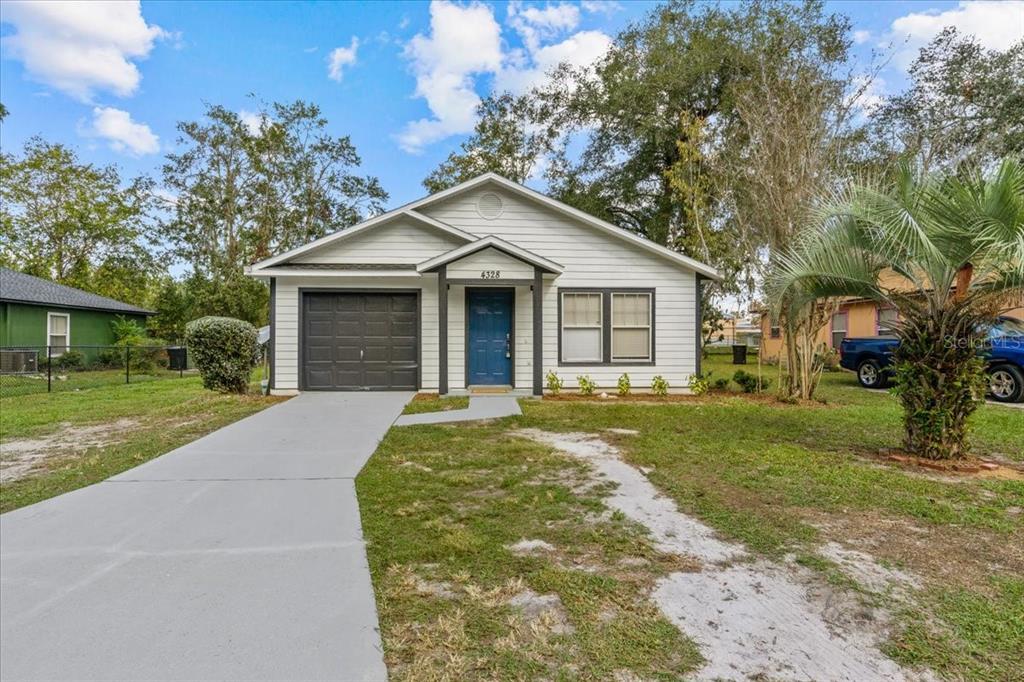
x: 20, y: 458
x: 863, y: 568
x: 756, y: 620
x: 544, y: 610
x: 531, y: 547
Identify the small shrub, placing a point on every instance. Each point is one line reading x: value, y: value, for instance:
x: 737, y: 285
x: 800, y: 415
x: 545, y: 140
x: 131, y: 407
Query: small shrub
x: 721, y: 383
x: 749, y: 383
x: 554, y: 382
x: 587, y: 385
x: 224, y: 350
x: 110, y: 358
x: 69, y: 359
x: 624, y: 385
x: 659, y: 386
x: 699, y: 384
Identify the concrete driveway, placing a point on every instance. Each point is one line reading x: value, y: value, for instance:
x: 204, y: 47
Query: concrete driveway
x: 238, y: 556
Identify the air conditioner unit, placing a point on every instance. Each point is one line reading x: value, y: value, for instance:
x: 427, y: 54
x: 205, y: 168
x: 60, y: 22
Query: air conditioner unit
x: 18, y: 362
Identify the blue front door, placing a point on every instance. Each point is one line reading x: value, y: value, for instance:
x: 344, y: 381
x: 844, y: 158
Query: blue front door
x: 489, y: 343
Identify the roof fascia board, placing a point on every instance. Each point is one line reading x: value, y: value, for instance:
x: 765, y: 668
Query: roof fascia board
x: 362, y: 227
x: 490, y: 241
x: 565, y: 209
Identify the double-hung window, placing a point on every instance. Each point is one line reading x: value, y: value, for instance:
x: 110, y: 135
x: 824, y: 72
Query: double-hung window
x: 582, y: 327
x: 58, y: 328
x: 606, y: 326
x: 631, y: 326
x: 887, y: 318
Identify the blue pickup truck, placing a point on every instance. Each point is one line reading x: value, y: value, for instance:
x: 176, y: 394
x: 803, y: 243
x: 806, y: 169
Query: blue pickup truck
x: 871, y: 359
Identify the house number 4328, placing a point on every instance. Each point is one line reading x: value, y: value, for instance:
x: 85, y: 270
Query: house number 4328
x: 490, y: 274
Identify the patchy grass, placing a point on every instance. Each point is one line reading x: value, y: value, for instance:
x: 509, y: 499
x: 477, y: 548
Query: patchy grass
x: 965, y: 635
x: 163, y: 415
x: 431, y: 402
x: 441, y: 503
x: 12, y: 385
x: 442, y: 508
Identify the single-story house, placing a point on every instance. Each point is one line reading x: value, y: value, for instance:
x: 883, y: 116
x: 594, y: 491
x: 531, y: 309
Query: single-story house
x: 486, y: 284
x: 857, y: 317
x: 36, y: 313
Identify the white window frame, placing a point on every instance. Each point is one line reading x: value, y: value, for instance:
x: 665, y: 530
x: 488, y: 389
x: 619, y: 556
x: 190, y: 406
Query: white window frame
x: 649, y: 326
x: 67, y: 331
x: 600, y: 328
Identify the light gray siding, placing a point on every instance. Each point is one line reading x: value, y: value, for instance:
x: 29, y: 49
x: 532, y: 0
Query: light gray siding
x: 591, y: 259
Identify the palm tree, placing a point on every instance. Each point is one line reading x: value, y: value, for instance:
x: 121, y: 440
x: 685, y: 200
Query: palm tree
x: 956, y: 244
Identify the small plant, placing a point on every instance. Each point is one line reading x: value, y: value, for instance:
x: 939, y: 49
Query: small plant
x: 225, y: 350
x: 749, y: 383
x: 624, y: 385
x: 587, y: 385
x: 554, y: 382
x: 721, y: 383
x: 69, y: 359
x: 699, y: 384
x: 659, y: 386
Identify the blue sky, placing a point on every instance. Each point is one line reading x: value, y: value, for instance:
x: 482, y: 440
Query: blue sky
x: 399, y: 78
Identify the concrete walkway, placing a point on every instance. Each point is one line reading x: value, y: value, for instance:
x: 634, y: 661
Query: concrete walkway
x: 238, y: 556
x: 480, y: 407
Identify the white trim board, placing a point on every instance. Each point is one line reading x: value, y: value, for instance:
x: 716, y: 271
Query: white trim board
x: 409, y: 210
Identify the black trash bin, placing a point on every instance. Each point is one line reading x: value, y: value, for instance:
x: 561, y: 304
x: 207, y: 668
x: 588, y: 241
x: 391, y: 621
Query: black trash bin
x: 739, y: 355
x: 176, y: 358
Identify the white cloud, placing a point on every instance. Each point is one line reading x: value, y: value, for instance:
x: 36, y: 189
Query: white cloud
x: 463, y: 41
x: 861, y: 37
x: 996, y: 25
x: 867, y: 93
x: 340, y: 57
x: 600, y: 6
x: 122, y: 133
x: 252, y: 120
x: 580, y: 49
x: 81, y: 47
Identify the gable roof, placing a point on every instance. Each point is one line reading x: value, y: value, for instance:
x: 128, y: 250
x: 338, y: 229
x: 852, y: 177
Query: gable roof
x: 490, y: 242
x: 17, y: 287
x: 410, y: 210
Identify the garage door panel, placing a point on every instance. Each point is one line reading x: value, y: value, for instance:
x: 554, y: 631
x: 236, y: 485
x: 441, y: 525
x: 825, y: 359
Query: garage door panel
x: 363, y: 341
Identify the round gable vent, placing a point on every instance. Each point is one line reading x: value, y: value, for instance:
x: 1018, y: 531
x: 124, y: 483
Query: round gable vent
x: 489, y: 205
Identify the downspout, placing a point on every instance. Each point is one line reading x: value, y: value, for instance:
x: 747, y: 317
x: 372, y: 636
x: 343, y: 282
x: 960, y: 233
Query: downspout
x: 699, y: 319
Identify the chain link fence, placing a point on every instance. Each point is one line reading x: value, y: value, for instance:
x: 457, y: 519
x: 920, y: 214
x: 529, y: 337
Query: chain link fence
x: 46, y: 369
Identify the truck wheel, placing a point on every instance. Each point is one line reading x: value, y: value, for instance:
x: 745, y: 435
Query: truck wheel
x: 870, y: 374
x: 1006, y: 383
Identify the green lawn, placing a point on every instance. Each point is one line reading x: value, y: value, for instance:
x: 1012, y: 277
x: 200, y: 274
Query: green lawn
x: 441, y: 504
x: 138, y: 421
x: 426, y: 402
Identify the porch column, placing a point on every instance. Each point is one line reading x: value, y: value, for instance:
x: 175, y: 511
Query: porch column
x: 442, y: 329
x: 538, y: 331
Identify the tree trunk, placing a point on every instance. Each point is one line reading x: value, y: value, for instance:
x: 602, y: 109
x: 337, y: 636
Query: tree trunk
x: 940, y: 381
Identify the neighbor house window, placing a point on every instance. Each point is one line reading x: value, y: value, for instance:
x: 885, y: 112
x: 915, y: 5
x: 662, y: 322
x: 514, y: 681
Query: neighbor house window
x: 631, y: 326
x: 887, y: 317
x: 773, y: 330
x: 58, y: 328
x: 838, y: 328
x: 582, y: 325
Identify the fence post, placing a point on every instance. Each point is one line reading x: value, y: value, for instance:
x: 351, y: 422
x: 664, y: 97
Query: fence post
x: 127, y: 364
x: 49, y: 368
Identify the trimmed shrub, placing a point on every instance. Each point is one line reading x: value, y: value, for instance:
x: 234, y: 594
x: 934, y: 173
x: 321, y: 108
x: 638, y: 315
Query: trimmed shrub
x: 587, y: 385
x: 659, y: 386
x: 224, y: 351
x: 624, y: 385
x: 699, y: 384
x: 749, y: 383
x: 69, y: 359
x: 554, y: 382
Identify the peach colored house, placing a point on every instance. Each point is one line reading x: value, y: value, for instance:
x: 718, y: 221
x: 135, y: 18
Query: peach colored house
x: 856, y: 317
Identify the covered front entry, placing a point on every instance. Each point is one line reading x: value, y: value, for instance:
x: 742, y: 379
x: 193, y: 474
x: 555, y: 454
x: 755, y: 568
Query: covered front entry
x: 489, y: 336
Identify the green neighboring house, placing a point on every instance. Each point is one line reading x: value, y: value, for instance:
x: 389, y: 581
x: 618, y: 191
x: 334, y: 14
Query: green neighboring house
x: 36, y: 312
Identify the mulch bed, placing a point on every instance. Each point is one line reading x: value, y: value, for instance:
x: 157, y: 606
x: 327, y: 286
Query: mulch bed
x: 713, y: 396
x: 972, y: 467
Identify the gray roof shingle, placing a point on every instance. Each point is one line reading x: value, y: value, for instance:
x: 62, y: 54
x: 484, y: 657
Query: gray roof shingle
x: 17, y: 287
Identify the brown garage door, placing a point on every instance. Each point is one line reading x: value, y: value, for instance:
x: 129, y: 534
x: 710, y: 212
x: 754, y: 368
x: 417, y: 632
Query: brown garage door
x: 360, y: 341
